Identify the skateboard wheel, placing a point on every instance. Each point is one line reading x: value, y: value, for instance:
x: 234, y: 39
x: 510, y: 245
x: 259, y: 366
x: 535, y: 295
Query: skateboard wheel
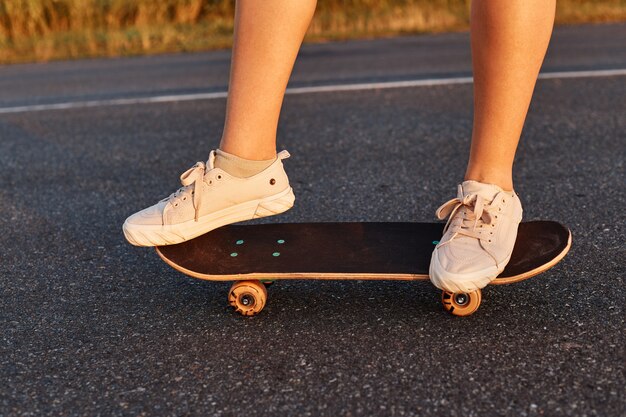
x: 247, y: 297
x: 267, y: 283
x: 460, y: 303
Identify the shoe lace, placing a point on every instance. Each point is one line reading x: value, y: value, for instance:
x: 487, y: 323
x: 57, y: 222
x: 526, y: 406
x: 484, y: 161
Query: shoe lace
x: 468, y: 215
x: 193, y: 178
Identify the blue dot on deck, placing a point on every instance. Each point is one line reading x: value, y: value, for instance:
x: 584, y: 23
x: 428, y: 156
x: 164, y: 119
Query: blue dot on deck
x: 276, y: 254
x: 233, y: 254
x: 435, y: 242
x: 239, y: 242
x: 280, y: 241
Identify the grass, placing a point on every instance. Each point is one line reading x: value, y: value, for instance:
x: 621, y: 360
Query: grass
x: 42, y: 30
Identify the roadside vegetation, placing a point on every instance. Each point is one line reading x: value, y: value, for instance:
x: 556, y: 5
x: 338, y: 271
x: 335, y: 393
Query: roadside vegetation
x: 42, y: 30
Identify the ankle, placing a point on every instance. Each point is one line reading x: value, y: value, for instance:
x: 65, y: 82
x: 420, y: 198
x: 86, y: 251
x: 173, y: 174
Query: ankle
x: 240, y: 167
x: 504, y: 181
x: 260, y: 148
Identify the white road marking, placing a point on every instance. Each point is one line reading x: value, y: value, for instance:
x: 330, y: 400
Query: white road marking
x: 295, y: 90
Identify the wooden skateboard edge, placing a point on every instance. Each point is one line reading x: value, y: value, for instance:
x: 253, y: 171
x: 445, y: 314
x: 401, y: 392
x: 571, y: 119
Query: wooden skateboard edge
x: 539, y: 270
x: 296, y: 275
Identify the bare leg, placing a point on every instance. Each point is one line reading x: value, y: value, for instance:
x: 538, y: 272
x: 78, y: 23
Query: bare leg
x: 268, y: 34
x: 509, y: 42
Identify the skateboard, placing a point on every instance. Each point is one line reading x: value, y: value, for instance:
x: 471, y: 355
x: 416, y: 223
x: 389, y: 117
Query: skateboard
x: 253, y: 256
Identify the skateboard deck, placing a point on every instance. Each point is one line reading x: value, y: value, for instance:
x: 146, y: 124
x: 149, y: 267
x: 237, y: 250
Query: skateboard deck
x: 253, y: 255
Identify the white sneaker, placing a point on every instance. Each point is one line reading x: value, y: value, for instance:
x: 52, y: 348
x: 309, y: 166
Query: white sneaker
x: 478, y: 239
x: 210, y: 198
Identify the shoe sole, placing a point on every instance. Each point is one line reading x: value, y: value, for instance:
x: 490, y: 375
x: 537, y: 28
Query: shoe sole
x: 157, y: 235
x: 462, y: 283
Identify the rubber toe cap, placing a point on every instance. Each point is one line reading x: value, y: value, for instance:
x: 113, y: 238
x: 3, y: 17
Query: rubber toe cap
x: 151, y: 216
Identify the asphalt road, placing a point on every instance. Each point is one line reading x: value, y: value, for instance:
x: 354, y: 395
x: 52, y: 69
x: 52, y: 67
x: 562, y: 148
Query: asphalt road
x: 93, y: 326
